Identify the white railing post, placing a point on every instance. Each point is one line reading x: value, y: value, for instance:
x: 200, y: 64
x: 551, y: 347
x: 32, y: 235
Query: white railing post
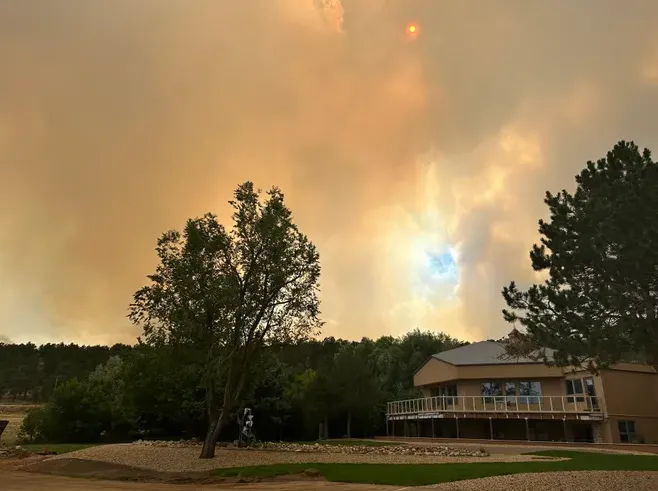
x: 550, y: 399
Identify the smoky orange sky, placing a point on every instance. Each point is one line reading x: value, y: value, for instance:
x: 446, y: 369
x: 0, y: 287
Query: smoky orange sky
x: 121, y: 119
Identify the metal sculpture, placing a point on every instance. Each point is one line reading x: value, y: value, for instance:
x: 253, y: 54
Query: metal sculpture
x: 246, y: 423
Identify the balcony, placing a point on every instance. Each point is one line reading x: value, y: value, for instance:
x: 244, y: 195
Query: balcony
x: 587, y: 407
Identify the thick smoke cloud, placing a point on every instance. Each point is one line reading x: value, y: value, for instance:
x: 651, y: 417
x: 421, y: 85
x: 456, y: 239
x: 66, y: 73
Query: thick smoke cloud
x: 119, y: 120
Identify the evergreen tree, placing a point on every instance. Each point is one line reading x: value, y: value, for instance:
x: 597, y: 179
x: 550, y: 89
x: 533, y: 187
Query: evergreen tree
x: 599, y: 304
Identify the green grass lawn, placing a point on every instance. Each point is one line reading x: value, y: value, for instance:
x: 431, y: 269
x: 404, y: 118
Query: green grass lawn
x: 60, y: 448
x: 424, y: 474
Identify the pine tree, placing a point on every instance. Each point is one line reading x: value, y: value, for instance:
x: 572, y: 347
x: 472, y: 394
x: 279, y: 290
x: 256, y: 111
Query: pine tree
x: 599, y: 304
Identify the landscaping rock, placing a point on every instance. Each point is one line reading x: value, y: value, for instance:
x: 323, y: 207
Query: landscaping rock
x: 312, y: 473
x: 424, y: 450
x: 13, y: 452
x: 434, y: 450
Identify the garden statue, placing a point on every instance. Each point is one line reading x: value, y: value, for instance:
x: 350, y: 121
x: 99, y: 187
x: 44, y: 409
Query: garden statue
x: 246, y: 422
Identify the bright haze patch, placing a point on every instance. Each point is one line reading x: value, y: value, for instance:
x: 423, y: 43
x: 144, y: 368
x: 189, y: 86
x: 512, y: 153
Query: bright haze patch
x: 442, y: 265
x: 121, y: 119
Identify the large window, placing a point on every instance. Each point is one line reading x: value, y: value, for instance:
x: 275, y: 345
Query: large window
x: 589, y: 386
x: 575, y: 388
x: 490, y: 390
x: 510, y: 392
x: 592, y: 401
x: 530, y: 392
x: 627, y: 431
x: 447, y: 394
x: 444, y: 390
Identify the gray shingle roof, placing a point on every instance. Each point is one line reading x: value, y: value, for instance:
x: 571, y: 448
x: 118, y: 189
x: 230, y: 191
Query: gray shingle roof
x: 482, y: 353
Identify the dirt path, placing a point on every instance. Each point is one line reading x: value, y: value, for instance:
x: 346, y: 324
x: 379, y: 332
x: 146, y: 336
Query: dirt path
x: 23, y: 481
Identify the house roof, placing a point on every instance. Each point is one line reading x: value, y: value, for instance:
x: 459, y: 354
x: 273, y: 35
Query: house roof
x: 482, y: 353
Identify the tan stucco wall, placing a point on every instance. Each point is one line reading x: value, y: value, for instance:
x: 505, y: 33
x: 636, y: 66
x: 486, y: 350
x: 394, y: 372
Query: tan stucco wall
x: 434, y: 372
x: 631, y: 393
x: 646, y: 428
x: 525, y: 371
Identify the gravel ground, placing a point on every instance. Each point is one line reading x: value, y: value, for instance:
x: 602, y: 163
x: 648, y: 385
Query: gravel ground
x: 559, y: 481
x: 187, y: 459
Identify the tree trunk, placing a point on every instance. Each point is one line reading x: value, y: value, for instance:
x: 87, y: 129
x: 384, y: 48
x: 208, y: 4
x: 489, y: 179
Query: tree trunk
x: 326, y: 427
x: 349, y: 424
x: 216, y: 424
x: 320, y: 431
x: 209, y: 444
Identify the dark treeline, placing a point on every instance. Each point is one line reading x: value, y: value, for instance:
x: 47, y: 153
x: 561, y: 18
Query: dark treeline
x: 29, y: 372
x: 302, y: 391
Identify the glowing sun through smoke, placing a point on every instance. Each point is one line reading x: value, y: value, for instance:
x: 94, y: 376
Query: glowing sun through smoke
x: 412, y: 30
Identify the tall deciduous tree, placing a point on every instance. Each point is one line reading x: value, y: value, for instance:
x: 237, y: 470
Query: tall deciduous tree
x: 353, y: 383
x: 600, y: 250
x: 226, y: 293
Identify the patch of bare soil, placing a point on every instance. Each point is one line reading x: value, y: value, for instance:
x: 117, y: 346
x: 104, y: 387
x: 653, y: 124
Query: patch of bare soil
x: 92, y: 469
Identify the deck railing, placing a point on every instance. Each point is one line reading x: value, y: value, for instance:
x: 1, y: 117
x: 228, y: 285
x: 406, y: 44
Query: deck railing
x: 495, y: 404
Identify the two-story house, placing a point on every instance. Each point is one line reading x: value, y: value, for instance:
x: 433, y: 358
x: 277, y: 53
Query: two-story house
x: 476, y: 392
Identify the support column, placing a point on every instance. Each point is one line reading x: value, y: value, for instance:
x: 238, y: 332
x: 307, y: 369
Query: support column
x: 392, y: 427
x: 386, y: 426
x: 457, y: 425
x: 491, y: 428
x: 433, y: 435
x: 597, y: 432
x: 527, y: 430
x: 566, y: 433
